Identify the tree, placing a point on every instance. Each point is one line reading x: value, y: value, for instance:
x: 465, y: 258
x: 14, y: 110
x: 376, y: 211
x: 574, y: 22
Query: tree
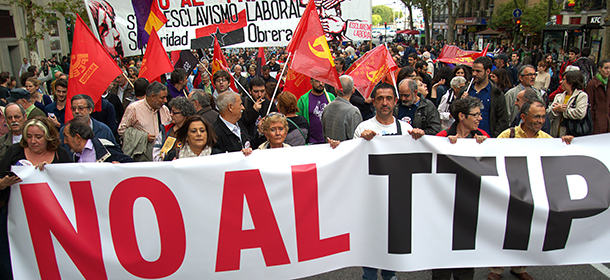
x: 385, y: 12
x: 376, y: 19
x: 533, y: 19
x: 452, y: 7
x: 40, y: 20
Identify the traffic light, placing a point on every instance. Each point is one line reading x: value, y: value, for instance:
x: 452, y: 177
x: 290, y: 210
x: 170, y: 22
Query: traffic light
x: 518, y: 22
x: 385, y: 25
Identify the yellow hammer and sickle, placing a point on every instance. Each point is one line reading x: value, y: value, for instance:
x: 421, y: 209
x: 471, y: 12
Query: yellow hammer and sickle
x: 373, y: 75
x: 325, y: 53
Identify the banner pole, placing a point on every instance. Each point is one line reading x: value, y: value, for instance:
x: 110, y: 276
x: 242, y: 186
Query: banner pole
x: 278, y: 82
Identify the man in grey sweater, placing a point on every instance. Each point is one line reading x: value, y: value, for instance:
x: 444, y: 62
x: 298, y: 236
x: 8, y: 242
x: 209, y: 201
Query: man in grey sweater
x: 340, y: 118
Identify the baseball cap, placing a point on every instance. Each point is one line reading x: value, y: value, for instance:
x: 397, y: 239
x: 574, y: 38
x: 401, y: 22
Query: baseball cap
x: 18, y: 93
x: 501, y: 56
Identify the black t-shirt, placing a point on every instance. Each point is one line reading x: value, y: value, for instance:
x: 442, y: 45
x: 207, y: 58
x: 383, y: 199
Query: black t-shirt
x: 4, y: 92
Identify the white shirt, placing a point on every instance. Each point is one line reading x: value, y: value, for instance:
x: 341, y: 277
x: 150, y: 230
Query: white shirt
x: 16, y: 138
x: 233, y: 128
x: 381, y: 129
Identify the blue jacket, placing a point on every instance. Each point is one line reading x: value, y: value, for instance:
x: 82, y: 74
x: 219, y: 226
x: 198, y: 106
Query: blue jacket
x: 100, y: 130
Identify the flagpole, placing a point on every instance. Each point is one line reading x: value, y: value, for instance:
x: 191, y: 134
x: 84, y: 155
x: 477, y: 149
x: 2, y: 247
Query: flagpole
x: 125, y: 75
x: 278, y: 82
x: 395, y: 86
x: 469, y: 85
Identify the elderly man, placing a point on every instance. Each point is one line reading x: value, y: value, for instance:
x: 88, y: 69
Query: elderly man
x: 415, y: 109
x: 311, y: 106
x: 123, y: 90
x: 221, y: 80
x: 527, y: 77
x: 144, y: 122
x: 201, y: 101
x: 384, y: 123
x: 444, y: 106
x: 15, y: 119
x: 340, y: 118
x: 82, y: 106
x: 176, y: 86
x: 495, y: 117
x: 24, y: 98
x: 88, y: 148
x: 255, y: 111
x: 243, y: 81
x: 529, y: 95
x: 232, y: 134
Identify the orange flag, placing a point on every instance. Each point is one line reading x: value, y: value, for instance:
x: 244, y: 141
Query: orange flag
x: 92, y: 68
x: 155, y: 62
x: 370, y: 69
x: 296, y: 83
x: 310, y: 49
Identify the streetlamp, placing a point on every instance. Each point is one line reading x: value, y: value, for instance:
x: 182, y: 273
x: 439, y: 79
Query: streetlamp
x: 491, y: 11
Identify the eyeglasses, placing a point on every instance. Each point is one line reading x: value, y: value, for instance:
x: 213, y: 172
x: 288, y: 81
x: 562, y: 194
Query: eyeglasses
x: 531, y: 74
x: 476, y: 115
x: 221, y: 80
x: 79, y: 108
x: 176, y: 113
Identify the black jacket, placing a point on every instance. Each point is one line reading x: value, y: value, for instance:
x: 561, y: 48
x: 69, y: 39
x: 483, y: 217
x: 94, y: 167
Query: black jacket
x: 107, y: 152
x: 229, y: 142
x: 250, y: 116
x: 426, y: 117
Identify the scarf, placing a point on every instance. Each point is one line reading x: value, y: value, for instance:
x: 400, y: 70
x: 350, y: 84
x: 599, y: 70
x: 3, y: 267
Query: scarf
x: 186, y: 152
x: 601, y: 79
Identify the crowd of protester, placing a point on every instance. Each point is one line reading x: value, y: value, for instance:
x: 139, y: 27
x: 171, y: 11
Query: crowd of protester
x: 509, y: 95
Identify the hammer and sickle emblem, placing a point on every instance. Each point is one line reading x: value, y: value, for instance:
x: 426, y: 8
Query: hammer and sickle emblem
x: 325, y: 52
x: 373, y: 75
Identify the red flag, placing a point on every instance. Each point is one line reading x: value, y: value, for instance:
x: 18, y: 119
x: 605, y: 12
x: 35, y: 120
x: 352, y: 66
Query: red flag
x: 297, y: 83
x: 261, y: 55
x: 455, y: 55
x: 92, y: 68
x: 155, y: 62
x: 220, y: 62
x: 218, y: 58
x: 371, y: 68
x: 310, y: 49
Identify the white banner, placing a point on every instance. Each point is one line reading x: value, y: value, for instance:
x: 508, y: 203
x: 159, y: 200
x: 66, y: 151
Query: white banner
x: 192, y: 24
x: 392, y: 203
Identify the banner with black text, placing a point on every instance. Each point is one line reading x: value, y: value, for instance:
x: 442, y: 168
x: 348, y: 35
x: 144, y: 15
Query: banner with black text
x: 392, y: 202
x: 193, y: 24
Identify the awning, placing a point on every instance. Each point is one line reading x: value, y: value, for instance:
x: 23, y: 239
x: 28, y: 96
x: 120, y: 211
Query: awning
x: 488, y: 31
x: 570, y: 27
x: 408, y: 32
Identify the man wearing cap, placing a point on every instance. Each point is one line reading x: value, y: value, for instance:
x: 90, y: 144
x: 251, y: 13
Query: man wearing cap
x: 24, y: 98
x: 501, y: 61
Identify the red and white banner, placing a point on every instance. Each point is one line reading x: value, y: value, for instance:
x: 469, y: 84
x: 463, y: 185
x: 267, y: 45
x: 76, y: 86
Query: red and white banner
x: 392, y: 203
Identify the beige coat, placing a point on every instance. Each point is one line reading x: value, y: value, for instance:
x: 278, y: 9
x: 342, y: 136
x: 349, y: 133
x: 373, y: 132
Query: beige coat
x: 577, y: 113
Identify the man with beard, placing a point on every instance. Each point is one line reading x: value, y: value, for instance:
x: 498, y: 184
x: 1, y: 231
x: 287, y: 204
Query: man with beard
x: 57, y: 109
x: 529, y: 95
x: 415, y: 109
x: 254, y: 111
x: 15, y: 119
x: 311, y: 106
x: 494, y: 114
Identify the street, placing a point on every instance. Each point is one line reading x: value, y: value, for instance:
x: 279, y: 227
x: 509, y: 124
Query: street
x: 568, y: 272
